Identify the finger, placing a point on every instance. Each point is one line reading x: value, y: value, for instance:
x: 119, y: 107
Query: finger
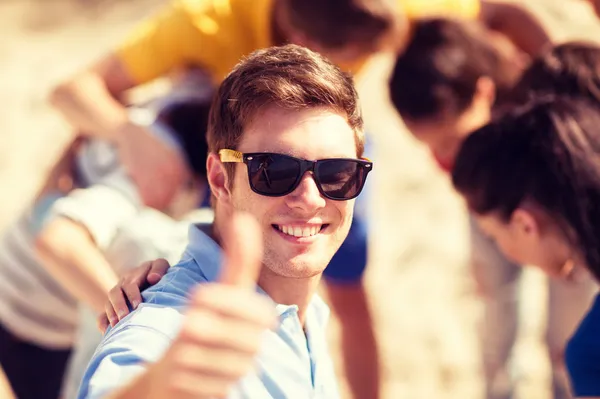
x: 110, y: 314
x: 133, y: 295
x: 158, y: 268
x: 138, y: 275
x: 242, y: 242
x: 102, y: 322
x: 232, y: 302
x: 116, y: 297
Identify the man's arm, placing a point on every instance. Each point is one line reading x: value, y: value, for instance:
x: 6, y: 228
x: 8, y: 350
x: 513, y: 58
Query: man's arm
x: 70, y: 254
x: 517, y: 23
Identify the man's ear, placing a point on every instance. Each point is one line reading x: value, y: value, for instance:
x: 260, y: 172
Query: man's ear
x: 218, y: 179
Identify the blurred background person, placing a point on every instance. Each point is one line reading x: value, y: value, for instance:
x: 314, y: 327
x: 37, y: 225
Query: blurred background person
x: 449, y: 81
x: 38, y: 317
x: 532, y: 180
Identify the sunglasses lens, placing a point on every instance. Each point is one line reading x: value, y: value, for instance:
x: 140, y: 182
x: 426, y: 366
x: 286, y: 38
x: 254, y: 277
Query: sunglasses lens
x: 273, y: 174
x: 341, y: 178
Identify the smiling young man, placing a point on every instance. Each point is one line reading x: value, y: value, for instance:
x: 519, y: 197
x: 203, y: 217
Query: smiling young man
x: 285, y: 139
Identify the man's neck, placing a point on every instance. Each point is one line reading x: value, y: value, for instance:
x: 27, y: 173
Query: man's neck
x: 289, y: 291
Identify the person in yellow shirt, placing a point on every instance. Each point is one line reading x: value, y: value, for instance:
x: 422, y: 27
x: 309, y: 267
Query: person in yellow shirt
x: 215, y: 35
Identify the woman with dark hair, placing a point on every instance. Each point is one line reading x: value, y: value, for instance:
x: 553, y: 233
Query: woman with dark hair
x: 532, y: 180
x: 450, y: 80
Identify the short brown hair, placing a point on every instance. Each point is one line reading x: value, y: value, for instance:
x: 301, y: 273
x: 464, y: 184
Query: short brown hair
x: 290, y: 77
x: 336, y: 23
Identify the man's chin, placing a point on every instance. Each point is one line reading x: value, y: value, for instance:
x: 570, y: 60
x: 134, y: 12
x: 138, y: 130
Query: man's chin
x: 299, y: 266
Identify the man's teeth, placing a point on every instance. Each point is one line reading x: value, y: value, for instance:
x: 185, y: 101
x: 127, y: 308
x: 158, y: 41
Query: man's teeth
x: 299, y: 231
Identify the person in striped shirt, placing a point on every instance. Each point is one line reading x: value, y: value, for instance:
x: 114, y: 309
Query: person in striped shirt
x: 38, y: 317
x: 88, y: 203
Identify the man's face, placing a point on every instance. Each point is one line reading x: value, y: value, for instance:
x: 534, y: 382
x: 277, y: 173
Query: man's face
x: 310, y: 134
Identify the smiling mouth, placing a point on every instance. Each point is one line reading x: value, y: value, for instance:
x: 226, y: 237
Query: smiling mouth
x: 300, y: 232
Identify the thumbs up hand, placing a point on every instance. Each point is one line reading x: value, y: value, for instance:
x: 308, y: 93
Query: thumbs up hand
x: 223, y: 327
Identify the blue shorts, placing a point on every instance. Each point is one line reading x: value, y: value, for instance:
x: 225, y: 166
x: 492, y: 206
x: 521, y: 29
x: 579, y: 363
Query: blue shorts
x: 349, y: 263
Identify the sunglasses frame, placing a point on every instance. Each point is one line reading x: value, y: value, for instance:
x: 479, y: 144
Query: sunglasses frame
x: 233, y: 156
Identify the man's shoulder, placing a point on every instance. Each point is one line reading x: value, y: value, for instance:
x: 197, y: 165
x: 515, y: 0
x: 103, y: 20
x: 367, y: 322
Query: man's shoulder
x: 174, y: 288
x: 163, y: 303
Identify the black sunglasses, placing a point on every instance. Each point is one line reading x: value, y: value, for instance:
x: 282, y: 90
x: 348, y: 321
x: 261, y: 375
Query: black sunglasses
x: 276, y: 175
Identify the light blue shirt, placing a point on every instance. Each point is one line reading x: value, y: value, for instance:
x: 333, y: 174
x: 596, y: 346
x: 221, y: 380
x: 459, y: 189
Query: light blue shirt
x: 291, y: 364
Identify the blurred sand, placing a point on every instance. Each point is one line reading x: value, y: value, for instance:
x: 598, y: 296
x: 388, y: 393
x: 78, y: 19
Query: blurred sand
x: 426, y: 310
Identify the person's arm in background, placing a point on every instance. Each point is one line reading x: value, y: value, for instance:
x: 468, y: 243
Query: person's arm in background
x: 164, y: 353
x: 515, y: 22
x: 70, y: 254
x: 91, y: 101
x: 73, y: 235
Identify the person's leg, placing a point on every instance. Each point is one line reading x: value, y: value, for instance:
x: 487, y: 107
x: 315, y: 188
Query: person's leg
x: 568, y: 301
x: 348, y: 299
x: 33, y: 372
x: 496, y: 279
